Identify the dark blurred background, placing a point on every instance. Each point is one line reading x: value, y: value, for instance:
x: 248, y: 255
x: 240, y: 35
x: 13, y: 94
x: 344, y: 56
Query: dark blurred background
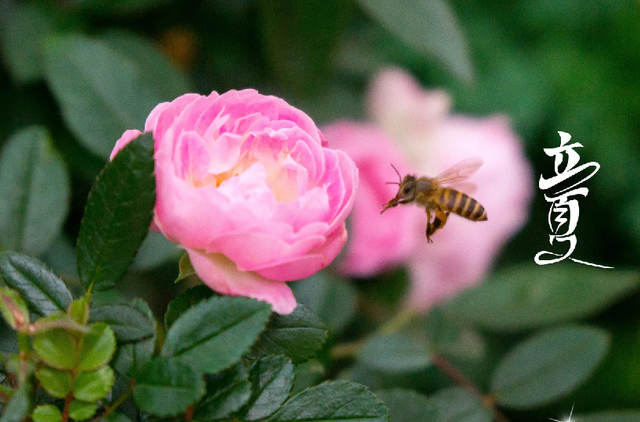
x: 550, y: 65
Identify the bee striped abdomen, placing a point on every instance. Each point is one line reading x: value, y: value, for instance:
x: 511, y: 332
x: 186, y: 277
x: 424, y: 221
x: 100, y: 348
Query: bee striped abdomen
x: 463, y: 205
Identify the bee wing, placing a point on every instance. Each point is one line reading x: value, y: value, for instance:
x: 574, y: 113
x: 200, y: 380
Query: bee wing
x: 466, y: 187
x: 460, y: 171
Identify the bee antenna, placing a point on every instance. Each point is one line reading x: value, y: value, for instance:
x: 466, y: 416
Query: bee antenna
x: 399, y: 177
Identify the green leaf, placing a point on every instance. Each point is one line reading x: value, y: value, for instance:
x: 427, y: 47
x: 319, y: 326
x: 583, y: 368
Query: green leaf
x: 186, y: 268
x: 130, y: 323
x: 449, y: 338
x: 397, y: 352
x: 226, y: 393
x: 55, y: 382
x: 57, y: 348
x: 118, y: 417
x: 24, y: 27
x: 408, y: 406
x: 161, y: 77
x: 101, y: 92
x: 165, y: 387
x: 184, y: 301
x: 13, y: 309
x: 135, y: 331
x: 333, y: 300
x: 456, y: 404
x: 93, y: 386
x: 272, y: 380
x: 298, y: 335
x: 548, y: 366
x: 214, y: 334
x: 108, y: 297
x: 79, y: 310
x: 46, y: 413
x: 531, y: 296
x: 429, y: 26
x: 43, y: 291
x: 81, y: 411
x: 611, y: 416
x: 117, y: 216
x: 130, y: 358
x: 97, y: 347
x: 34, y: 192
x: 333, y: 401
x: 18, y: 407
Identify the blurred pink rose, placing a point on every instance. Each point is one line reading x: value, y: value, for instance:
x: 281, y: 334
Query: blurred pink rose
x: 433, y: 140
x: 248, y: 186
x: 375, y: 243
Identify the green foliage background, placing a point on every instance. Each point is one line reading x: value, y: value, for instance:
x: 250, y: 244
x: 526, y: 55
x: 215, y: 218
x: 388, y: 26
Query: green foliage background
x: 76, y: 74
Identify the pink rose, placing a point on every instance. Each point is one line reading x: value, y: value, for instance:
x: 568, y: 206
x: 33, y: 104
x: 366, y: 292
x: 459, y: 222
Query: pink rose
x: 248, y: 186
x: 433, y: 140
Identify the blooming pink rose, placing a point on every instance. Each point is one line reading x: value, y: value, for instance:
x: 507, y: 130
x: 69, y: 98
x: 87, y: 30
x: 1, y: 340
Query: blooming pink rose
x: 433, y: 140
x: 375, y: 243
x: 248, y: 186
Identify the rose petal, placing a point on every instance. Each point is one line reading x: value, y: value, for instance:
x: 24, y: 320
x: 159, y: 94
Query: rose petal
x: 310, y: 263
x: 222, y: 275
x: 127, y: 136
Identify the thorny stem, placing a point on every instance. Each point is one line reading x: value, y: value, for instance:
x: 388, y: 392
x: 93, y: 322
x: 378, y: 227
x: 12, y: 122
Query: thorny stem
x: 24, y: 346
x: 116, y: 403
x: 452, y: 372
x: 65, y: 410
x: 188, y: 415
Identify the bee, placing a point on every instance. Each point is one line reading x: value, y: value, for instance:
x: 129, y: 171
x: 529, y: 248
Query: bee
x: 432, y: 194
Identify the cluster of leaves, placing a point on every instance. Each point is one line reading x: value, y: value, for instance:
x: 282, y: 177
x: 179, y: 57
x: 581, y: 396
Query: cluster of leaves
x: 548, y: 356
x: 67, y: 356
x: 219, y: 358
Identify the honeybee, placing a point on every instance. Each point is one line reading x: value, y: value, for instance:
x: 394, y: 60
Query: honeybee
x: 432, y: 194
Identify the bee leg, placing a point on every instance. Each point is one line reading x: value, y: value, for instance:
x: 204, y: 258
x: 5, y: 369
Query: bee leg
x: 429, y: 231
x: 441, y: 217
x: 439, y: 221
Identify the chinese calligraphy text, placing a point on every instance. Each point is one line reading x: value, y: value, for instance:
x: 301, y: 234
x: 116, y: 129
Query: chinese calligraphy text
x: 564, y: 210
